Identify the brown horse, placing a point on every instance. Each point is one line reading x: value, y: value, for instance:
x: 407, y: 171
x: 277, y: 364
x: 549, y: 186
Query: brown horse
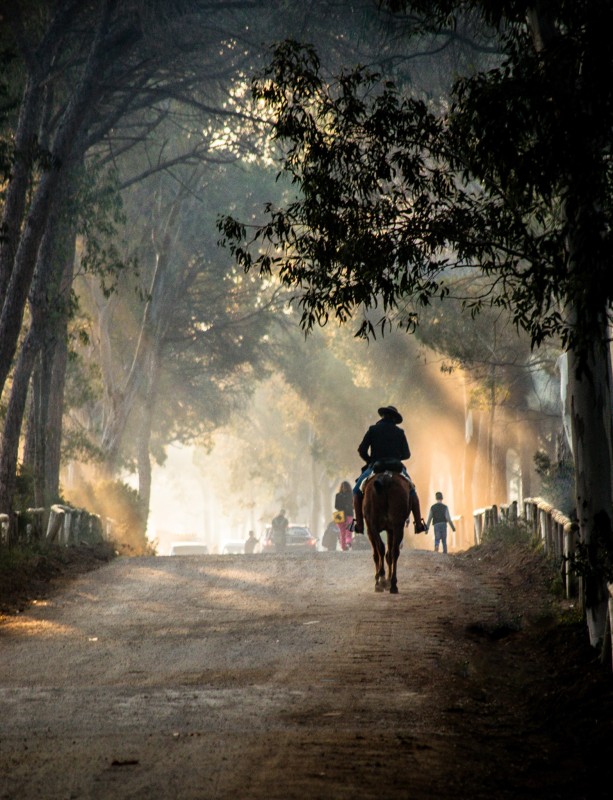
x: 386, y: 508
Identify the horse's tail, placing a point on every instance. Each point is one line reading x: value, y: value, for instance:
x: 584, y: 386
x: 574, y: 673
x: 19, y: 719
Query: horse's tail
x: 382, y: 482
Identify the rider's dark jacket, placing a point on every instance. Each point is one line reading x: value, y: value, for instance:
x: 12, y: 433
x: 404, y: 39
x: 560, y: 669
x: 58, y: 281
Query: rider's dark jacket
x: 384, y: 440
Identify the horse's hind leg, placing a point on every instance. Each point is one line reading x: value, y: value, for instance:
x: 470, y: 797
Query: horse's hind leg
x: 381, y: 582
x: 378, y: 554
x: 393, y: 552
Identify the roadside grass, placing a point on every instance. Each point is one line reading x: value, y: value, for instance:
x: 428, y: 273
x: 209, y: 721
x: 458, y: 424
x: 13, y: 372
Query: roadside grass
x: 27, y: 570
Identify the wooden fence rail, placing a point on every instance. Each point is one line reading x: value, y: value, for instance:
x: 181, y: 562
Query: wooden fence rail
x: 558, y: 534
x: 485, y: 518
x: 61, y: 524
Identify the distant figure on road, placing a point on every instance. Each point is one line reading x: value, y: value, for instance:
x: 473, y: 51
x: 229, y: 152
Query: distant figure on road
x: 251, y: 543
x: 331, y: 536
x: 343, y: 503
x: 440, y: 516
x: 279, y: 531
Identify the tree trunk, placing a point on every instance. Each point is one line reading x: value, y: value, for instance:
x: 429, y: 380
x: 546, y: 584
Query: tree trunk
x: 50, y: 479
x: 13, y: 420
x: 67, y: 139
x: 34, y: 447
x: 16, y: 193
x: 144, y: 461
x: 589, y: 366
x: 145, y: 428
x: 153, y: 328
x: 590, y: 404
x: 481, y: 468
x: 30, y: 125
x: 46, y: 313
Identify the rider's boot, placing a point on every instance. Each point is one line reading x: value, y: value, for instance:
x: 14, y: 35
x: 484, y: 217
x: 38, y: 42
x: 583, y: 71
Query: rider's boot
x: 358, y: 524
x: 414, y: 508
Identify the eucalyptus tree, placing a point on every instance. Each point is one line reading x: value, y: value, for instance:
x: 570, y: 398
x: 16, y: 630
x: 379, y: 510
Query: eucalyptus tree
x: 182, y: 344
x: 513, y: 181
x: 86, y: 66
x: 98, y: 77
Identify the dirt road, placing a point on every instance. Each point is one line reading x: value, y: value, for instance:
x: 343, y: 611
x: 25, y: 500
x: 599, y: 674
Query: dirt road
x: 287, y: 677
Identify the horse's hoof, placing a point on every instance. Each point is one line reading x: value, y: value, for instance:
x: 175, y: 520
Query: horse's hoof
x: 393, y: 590
x: 379, y: 588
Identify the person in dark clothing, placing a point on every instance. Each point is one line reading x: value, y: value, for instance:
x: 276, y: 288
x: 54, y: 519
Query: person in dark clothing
x: 440, y: 516
x: 385, y: 441
x: 343, y: 502
x: 279, y: 531
x: 331, y: 536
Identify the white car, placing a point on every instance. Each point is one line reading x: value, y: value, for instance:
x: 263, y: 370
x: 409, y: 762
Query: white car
x: 233, y: 547
x: 189, y: 549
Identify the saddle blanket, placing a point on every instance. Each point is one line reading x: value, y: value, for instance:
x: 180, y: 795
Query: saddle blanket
x: 374, y: 475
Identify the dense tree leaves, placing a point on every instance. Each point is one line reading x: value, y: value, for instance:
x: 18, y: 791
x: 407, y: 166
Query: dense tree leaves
x: 393, y: 194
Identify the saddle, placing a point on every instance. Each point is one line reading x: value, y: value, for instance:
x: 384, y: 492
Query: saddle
x: 387, y: 465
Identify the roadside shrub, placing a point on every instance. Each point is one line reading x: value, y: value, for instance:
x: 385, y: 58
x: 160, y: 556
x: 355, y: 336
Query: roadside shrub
x: 509, y: 532
x: 24, y: 489
x: 27, y: 568
x: 557, y: 481
x: 120, y: 503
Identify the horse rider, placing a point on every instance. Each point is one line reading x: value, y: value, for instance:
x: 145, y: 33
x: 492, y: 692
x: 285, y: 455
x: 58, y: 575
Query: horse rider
x: 385, y: 441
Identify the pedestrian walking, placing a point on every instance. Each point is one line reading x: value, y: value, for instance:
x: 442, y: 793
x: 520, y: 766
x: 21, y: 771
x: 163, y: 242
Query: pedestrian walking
x: 279, y: 531
x: 251, y: 543
x: 440, y: 516
x: 343, y: 503
x: 331, y: 536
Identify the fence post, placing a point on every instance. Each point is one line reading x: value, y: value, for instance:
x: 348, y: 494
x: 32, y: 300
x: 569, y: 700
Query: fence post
x: 571, y: 529
x: 478, y: 524
x: 4, y: 529
x: 55, y: 524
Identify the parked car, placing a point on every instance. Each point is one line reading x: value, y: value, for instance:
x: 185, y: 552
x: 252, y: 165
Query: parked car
x: 299, y: 539
x: 233, y: 547
x: 189, y: 549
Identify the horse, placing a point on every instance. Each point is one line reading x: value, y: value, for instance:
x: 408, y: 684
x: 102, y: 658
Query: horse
x: 386, y: 508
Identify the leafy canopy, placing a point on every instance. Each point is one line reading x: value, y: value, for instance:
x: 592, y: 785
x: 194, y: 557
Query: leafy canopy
x: 392, y: 195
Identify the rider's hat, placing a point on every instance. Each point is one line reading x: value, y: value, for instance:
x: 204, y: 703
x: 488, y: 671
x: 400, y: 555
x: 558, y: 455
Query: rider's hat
x: 392, y: 412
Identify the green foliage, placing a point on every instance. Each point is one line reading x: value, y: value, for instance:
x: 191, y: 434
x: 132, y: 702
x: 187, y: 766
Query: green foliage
x: 24, y: 489
x: 23, y: 566
x: 392, y: 195
x: 594, y: 561
x: 509, y: 533
x: 99, y: 207
x: 351, y: 239
x: 23, y: 561
x: 558, y: 481
x: 8, y: 103
x: 119, y: 502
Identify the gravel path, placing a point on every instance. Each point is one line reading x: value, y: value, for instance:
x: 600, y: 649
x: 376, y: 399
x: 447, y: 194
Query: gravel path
x: 283, y: 677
